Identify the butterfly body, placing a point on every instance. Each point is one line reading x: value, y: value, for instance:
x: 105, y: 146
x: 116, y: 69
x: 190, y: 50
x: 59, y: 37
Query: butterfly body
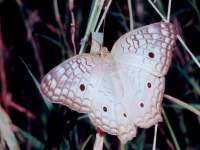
x: 121, y: 90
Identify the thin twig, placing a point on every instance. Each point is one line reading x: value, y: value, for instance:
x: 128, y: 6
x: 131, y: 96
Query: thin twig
x: 86, y: 142
x: 57, y: 15
x: 103, y: 16
x: 61, y: 30
x: 98, y: 145
x: 155, y: 137
x: 183, y: 104
x: 169, y: 10
x: 167, y: 140
x: 156, y: 9
x: 188, y: 50
x: 130, y: 14
x: 36, y: 50
x: 72, y: 25
x: 171, y: 130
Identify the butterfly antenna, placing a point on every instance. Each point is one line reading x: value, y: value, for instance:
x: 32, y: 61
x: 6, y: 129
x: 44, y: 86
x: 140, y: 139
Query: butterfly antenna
x: 155, y: 137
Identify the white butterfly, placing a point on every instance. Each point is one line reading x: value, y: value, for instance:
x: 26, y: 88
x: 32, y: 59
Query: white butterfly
x: 121, y: 90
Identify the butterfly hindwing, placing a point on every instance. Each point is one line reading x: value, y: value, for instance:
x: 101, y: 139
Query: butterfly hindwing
x: 147, y: 99
x: 109, y: 111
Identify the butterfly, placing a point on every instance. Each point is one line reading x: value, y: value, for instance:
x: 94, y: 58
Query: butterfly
x: 120, y: 90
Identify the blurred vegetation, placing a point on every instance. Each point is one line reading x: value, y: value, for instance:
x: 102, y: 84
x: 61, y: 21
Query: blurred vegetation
x: 35, y: 36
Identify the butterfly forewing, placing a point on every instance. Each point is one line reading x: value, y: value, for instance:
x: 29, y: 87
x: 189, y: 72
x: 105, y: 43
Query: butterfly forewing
x: 149, y: 47
x: 70, y: 82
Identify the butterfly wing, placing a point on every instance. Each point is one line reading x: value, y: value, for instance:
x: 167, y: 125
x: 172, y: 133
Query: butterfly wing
x: 71, y: 83
x: 108, y: 111
x: 149, y: 47
x: 143, y: 57
x: 144, y: 97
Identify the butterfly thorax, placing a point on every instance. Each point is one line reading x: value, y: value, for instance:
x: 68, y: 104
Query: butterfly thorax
x: 104, y: 52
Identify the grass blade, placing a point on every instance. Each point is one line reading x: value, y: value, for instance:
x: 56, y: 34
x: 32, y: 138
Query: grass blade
x: 171, y: 130
x: 48, y: 104
x: 34, y: 141
x: 6, y: 132
x: 86, y: 142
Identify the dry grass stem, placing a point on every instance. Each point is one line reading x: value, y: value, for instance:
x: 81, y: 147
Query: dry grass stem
x: 188, y: 50
x: 183, y: 104
x: 169, y: 10
x: 98, y: 145
x: 103, y: 16
x: 72, y: 25
x: 155, y: 137
x: 156, y: 9
x: 130, y: 15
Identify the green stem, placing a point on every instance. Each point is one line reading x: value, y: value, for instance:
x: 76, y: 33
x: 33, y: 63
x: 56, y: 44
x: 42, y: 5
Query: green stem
x: 171, y: 130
